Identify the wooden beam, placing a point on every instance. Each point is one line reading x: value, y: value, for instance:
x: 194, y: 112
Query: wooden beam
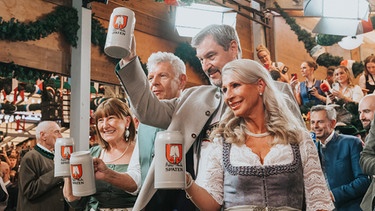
x: 30, y: 55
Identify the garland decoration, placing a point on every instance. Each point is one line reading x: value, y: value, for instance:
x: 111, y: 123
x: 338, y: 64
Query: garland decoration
x: 325, y: 59
x: 328, y: 39
x: 65, y: 20
x: 21, y: 73
x: 62, y: 19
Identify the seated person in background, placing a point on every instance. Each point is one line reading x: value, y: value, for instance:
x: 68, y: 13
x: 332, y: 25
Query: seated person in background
x: 114, y: 187
x: 344, y: 88
x: 367, y: 79
x: 308, y: 91
x: 265, y: 57
x: 339, y: 156
x: 262, y: 157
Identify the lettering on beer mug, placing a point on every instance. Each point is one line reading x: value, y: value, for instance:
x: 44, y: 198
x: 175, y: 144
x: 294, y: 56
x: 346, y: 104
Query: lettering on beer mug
x: 76, y: 170
x: 66, y: 151
x: 174, y: 155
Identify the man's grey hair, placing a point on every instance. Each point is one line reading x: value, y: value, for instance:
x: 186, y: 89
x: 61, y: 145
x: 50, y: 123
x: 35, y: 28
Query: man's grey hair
x: 330, y: 111
x: 158, y: 57
x: 222, y: 34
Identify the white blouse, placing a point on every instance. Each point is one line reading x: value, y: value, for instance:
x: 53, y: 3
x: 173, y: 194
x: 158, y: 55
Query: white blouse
x: 355, y: 93
x: 316, y: 192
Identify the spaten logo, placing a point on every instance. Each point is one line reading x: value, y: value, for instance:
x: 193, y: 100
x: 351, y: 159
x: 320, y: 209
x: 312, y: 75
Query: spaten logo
x: 76, y: 170
x: 120, y: 22
x: 66, y: 151
x: 173, y: 153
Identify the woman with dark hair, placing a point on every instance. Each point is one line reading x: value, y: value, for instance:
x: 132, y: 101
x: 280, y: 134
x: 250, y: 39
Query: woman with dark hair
x: 262, y: 157
x: 367, y: 79
x: 308, y: 91
x: 115, y: 189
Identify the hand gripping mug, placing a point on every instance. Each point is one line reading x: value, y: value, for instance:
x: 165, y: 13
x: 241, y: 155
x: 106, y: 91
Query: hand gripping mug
x: 120, y: 33
x: 169, y: 160
x: 82, y: 173
x: 64, y: 147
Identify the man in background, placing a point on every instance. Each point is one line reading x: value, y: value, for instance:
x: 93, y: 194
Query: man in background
x: 339, y: 156
x: 38, y: 188
x: 366, y: 110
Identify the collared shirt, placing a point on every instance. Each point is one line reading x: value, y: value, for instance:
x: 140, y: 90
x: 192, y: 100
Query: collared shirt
x: 44, y: 148
x: 328, y: 139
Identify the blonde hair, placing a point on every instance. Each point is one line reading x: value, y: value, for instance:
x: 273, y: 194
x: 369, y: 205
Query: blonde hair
x: 261, y: 48
x: 346, y: 70
x: 280, y: 122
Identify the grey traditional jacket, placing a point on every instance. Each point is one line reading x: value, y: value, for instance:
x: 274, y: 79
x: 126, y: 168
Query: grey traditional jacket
x: 187, y: 114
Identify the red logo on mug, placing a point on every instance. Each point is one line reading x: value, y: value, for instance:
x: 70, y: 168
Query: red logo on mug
x: 173, y: 153
x: 120, y: 21
x: 76, y: 170
x: 66, y: 151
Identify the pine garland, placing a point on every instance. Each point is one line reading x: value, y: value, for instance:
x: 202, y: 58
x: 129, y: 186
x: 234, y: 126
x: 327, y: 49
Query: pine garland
x: 65, y: 20
x: 309, y: 42
x: 62, y: 19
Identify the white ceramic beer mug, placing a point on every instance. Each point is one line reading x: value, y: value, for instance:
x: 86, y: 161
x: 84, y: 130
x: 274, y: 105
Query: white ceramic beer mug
x: 82, y: 173
x: 120, y: 33
x: 169, y: 160
x: 64, y: 147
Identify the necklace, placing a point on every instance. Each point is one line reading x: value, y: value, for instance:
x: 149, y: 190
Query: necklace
x: 111, y: 161
x: 257, y: 135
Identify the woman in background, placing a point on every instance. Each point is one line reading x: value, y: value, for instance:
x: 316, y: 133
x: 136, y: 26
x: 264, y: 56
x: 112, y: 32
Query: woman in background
x: 344, y: 89
x: 308, y: 92
x: 114, y: 189
x: 265, y: 57
x: 367, y: 79
x: 262, y: 158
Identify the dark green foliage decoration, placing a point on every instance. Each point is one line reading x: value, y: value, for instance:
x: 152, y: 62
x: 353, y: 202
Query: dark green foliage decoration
x: 302, y: 34
x: 358, y: 68
x: 62, y: 19
x: 23, y: 74
x: 327, y: 60
x: 308, y: 40
x: 328, y: 39
x: 98, y: 33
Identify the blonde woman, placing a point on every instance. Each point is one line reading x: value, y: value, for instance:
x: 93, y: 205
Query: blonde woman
x: 264, y: 56
x: 262, y: 158
x: 344, y: 88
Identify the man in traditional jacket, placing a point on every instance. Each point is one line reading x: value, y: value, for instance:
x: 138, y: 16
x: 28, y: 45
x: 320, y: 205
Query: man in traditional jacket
x: 339, y: 156
x: 39, y: 189
x: 167, y: 78
x: 197, y: 110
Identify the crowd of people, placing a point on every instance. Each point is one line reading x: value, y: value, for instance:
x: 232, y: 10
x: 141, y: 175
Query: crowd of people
x: 247, y: 146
